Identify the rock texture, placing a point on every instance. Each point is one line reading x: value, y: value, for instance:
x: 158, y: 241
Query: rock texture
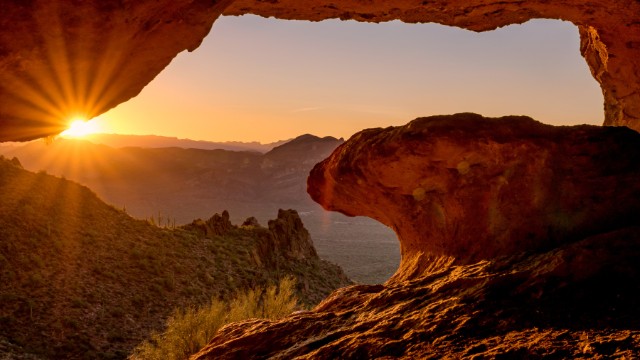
x: 59, y: 58
x: 520, y: 240
x: 465, y: 188
x: 577, y: 301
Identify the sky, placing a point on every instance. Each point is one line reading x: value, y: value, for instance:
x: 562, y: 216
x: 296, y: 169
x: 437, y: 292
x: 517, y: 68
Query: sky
x: 257, y: 79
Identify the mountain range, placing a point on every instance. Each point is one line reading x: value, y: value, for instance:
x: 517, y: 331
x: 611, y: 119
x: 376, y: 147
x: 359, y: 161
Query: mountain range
x: 156, y: 141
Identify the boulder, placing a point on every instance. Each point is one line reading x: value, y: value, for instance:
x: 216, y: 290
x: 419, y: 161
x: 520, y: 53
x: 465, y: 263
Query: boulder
x: 580, y: 300
x: 463, y: 188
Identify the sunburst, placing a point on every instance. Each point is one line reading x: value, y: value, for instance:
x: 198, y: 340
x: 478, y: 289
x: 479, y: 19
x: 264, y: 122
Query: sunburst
x: 79, y: 127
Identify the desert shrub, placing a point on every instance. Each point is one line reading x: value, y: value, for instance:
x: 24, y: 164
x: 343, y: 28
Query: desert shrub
x: 245, y: 306
x: 189, y: 330
x: 279, y: 301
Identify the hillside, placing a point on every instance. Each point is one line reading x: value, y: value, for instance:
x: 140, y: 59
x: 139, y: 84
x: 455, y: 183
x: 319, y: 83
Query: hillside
x: 82, y: 279
x: 184, y: 184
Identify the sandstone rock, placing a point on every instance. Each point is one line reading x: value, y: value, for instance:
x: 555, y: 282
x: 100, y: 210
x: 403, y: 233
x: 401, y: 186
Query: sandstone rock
x: 464, y: 188
x: 580, y: 300
x: 59, y: 58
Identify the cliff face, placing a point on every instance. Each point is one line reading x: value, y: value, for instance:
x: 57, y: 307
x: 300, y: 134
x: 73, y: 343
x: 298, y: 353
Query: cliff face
x: 59, y: 59
x: 518, y: 239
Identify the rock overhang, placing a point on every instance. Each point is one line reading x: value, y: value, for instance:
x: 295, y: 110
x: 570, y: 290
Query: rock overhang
x: 59, y: 59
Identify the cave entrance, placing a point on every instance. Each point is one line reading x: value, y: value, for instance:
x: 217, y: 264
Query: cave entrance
x: 268, y: 80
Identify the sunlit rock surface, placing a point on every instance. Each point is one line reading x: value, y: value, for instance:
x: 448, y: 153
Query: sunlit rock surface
x: 60, y: 59
x: 520, y: 240
x: 578, y: 301
x: 465, y: 188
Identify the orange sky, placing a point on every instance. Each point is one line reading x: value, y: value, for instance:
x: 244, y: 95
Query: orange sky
x: 267, y: 80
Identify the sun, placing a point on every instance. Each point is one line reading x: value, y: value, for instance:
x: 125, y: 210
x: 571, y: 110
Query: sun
x: 79, y: 127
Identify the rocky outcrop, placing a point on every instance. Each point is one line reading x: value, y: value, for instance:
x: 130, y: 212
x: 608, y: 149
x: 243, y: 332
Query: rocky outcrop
x: 59, y: 59
x: 251, y: 222
x: 216, y: 225
x: 465, y: 188
x: 285, y: 239
x: 519, y: 240
x: 14, y: 161
x: 290, y: 236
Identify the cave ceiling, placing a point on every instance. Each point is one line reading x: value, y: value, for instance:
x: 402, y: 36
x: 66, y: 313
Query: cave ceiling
x: 60, y: 59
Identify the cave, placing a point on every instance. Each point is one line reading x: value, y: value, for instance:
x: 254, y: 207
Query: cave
x: 511, y: 231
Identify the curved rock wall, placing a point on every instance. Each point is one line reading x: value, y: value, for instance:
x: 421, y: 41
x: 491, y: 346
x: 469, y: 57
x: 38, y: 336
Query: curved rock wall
x: 64, y: 58
x: 463, y: 188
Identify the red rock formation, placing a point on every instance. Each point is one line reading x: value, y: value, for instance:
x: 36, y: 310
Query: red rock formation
x: 465, y: 188
x: 542, y: 221
x: 576, y: 301
x: 59, y: 58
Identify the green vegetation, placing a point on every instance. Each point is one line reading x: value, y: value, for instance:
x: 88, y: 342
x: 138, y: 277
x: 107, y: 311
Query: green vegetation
x: 189, y: 330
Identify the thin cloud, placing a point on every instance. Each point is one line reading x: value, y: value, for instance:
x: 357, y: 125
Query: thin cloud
x: 306, y: 109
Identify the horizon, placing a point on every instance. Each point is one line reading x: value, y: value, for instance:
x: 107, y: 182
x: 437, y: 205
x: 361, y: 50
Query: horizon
x: 88, y: 137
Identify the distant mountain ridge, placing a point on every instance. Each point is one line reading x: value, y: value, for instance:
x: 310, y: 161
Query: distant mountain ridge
x: 156, y: 141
